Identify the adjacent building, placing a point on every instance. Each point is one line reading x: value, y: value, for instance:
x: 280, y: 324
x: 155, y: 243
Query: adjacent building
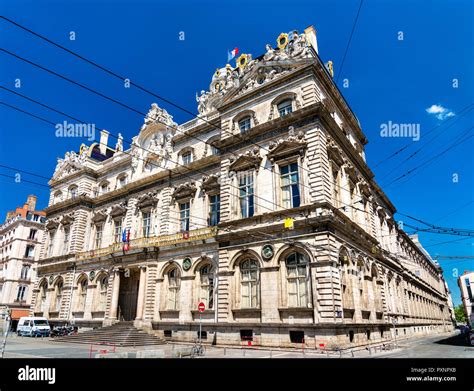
x: 21, y: 236
x: 466, y: 286
x: 263, y: 209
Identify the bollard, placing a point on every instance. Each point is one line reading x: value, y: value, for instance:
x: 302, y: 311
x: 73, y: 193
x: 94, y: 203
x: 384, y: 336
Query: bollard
x: 244, y: 352
x: 352, y: 352
x: 225, y: 351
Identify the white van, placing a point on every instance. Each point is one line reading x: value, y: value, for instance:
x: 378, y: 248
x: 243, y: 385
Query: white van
x: 33, y: 327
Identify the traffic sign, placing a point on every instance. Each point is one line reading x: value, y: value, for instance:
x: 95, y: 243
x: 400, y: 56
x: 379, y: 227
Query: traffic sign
x: 201, y: 307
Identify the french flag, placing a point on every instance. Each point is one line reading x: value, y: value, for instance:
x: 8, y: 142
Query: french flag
x: 232, y: 54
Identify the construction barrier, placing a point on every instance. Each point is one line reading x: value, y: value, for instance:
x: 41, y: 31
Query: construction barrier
x: 101, y: 351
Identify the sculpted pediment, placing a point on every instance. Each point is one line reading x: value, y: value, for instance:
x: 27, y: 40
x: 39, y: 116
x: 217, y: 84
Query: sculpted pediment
x: 245, y: 161
x: 67, y: 219
x: 184, y: 191
x: 52, y: 224
x: 147, y: 200
x: 99, y: 216
x: 293, y: 51
x: 118, y: 209
x: 293, y: 144
x: 211, y: 183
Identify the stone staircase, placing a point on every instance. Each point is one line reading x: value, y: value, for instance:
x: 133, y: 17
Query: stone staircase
x: 119, y: 334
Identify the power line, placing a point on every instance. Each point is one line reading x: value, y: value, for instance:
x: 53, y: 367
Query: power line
x: 413, y: 154
x: 427, y: 133
x: 457, y: 142
x: 132, y: 83
x: 350, y: 39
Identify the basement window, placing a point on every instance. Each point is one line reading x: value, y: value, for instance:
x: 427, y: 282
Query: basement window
x: 351, y: 336
x: 297, y: 336
x: 167, y: 333
x: 246, y: 335
x: 203, y: 334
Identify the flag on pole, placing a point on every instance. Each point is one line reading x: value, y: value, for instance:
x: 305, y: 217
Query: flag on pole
x: 232, y: 54
x: 124, y: 235
x: 128, y: 235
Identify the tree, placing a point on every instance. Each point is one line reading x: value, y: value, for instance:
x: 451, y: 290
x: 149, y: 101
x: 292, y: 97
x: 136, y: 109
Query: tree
x: 459, y: 314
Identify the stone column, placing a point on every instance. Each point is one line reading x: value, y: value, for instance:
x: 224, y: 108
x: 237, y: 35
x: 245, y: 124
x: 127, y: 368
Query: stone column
x: 115, y: 294
x: 141, y: 293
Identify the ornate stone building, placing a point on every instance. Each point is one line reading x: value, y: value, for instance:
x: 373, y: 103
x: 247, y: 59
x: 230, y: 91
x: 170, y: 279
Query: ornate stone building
x: 21, y: 237
x: 263, y: 208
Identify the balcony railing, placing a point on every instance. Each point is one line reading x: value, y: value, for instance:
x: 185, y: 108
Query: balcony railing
x: 151, y: 241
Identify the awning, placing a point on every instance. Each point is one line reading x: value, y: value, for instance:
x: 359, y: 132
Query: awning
x: 17, y: 314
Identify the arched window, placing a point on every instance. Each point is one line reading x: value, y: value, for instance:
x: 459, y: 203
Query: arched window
x: 346, y: 283
x: 249, y: 281
x: 41, y: 299
x: 206, y: 286
x: 81, y: 294
x: 297, y: 274
x: 73, y: 191
x: 58, y: 197
x: 173, y: 289
x: 58, y: 296
x: 121, y: 181
x: 102, y: 286
x: 104, y: 187
x: 285, y: 107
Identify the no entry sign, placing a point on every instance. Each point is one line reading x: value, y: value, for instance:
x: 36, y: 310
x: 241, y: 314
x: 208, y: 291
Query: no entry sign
x: 201, y: 307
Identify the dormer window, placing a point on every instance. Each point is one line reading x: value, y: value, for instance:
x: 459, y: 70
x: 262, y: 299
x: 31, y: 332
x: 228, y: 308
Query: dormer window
x: 245, y: 124
x: 121, y: 181
x: 285, y: 107
x: 73, y: 192
x: 187, y: 158
x: 58, y: 196
x: 104, y: 187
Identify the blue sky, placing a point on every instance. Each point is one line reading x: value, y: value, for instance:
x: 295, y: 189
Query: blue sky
x: 389, y: 80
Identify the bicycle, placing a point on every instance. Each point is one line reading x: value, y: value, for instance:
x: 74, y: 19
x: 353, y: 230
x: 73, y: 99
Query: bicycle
x: 197, y: 350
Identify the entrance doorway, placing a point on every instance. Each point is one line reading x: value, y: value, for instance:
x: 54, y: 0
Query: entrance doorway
x: 128, y: 296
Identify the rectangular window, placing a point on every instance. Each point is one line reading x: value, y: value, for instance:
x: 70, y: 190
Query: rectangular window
x: 285, y: 108
x: 30, y: 251
x: 98, y: 235
x: 21, y: 294
x: 146, y: 224
x: 246, y: 200
x: 32, y: 234
x: 184, y: 216
x: 66, y: 241
x: 290, y: 187
x: 244, y: 124
x: 50, y: 244
x: 118, y: 230
x: 187, y: 158
x: 214, y: 209
x: 468, y: 287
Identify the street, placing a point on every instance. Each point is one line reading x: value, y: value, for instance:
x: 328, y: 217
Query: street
x: 449, y: 345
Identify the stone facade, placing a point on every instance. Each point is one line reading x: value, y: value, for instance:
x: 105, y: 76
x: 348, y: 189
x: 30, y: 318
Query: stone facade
x: 263, y: 208
x: 21, y: 238
x: 466, y: 286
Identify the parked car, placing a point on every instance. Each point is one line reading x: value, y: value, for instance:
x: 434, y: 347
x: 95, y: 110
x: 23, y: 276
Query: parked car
x: 33, y: 327
x: 471, y: 337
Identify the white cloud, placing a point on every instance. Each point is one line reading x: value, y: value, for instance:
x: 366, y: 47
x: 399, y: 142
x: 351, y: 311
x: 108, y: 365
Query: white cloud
x: 440, y: 112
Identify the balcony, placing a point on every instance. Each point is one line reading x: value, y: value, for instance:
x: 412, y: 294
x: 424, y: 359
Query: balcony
x: 151, y: 241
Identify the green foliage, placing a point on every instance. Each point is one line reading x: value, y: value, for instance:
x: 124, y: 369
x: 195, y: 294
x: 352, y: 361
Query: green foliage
x: 459, y: 314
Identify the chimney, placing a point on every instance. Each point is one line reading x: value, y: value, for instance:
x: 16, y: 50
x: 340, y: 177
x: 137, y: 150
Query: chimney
x: 31, y: 202
x: 310, y: 33
x: 104, y: 137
